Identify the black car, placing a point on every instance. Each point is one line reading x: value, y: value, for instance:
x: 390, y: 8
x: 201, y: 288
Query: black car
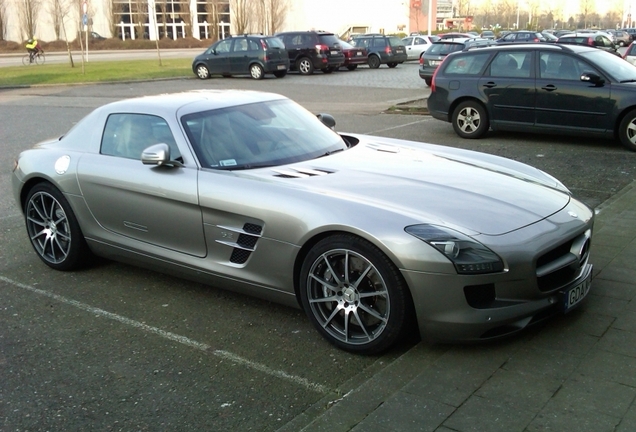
x: 310, y: 50
x: 522, y: 37
x: 569, y: 89
x: 388, y: 50
x: 596, y: 40
x: 434, y: 55
x: 255, y: 55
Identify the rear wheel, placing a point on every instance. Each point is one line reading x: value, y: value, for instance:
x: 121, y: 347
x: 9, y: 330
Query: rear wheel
x: 354, y: 295
x: 53, y: 229
x: 428, y: 81
x: 374, y: 62
x: 202, y: 71
x: 470, y: 120
x: 305, y: 67
x: 627, y: 130
x: 256, y: 71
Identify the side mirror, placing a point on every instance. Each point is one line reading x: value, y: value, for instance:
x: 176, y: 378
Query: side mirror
x: 592, y: 78
x: 158, y: 154
x: 327, y: 120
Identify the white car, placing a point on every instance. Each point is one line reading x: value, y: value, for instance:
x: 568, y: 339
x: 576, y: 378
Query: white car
x: 417, y: 44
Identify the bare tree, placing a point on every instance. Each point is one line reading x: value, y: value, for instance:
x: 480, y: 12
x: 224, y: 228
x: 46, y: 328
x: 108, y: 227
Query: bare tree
x: 3, y: 19
x: 139, y: 14
x: 276, y: 12
x: 116, y: 10
x: 212, y: 18
x: 241, y: 15
x: 28, y: 13
x: 58, y: 10
x: 186, y: 16
x: 587, y: 8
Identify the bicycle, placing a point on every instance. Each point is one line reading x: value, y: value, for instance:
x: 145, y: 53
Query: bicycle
x: 38, y: 58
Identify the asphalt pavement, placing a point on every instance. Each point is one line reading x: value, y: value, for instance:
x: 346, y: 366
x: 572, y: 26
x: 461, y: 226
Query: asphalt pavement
x: 119, y: 348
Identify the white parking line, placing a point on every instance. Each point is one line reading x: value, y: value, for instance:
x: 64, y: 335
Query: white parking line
x: 398, y: 126
x: 176, y: 338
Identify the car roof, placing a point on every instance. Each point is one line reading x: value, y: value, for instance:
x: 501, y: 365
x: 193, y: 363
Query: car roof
x: 535, y: 46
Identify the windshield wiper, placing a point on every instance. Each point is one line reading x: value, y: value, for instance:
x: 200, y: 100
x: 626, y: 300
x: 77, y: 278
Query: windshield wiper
x: 628, y: 81
x: 329, y: 153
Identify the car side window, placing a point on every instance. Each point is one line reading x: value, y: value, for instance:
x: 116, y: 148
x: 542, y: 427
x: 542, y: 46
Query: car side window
x: 224, y: 46
x: 253, y: 45
x: 408, y: 41
x: 466, y: 64
x: 420, y: 41
x: 127, y: 135
x: 560, y: 66
x: 240, y: 45
x: 511, y: 65
x: 379, y: 42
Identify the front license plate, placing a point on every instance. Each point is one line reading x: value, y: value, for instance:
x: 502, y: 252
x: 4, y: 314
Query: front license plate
x: 575, y: 294
x: 281, y: 67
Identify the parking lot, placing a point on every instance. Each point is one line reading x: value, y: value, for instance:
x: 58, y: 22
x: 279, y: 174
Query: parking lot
x: 119, y: 348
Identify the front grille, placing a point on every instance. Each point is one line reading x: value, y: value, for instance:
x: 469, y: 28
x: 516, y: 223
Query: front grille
x: 559, y: 266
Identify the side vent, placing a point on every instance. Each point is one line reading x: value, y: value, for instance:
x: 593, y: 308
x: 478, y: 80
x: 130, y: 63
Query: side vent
x: 245, y: 243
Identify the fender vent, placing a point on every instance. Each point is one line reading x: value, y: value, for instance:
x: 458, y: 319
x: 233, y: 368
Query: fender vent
x: 300, y: 172
x: 245, y: 243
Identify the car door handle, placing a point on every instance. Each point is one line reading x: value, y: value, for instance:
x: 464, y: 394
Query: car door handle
x: 549, y: 87
x: 490, y: 84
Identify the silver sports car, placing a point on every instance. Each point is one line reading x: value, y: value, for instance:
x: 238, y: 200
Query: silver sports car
x: 249, y: 192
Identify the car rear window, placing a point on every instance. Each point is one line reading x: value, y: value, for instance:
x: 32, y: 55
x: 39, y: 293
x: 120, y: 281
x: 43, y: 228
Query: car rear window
x: 328, y: 39
x: 444, y: 48
x: 274, y: 42
x: 395, y: 41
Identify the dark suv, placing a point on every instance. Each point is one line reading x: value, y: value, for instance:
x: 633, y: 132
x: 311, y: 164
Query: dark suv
x: 255, y: 55
x: 545, y: 88
x: 388, y: 50
x: 596, y: 40
x: 310, y: 50
x: 434, y: 55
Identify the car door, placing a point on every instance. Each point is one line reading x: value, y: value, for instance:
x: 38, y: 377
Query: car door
x: 218, y: 57
x: 239, y: 56
x: 151, y: 205
x: 565, y: 102
x: 509, y: 89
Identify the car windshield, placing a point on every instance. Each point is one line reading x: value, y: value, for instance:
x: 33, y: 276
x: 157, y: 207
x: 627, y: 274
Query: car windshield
x: 441, y: 48
x: 611, y: 64
x: 258, y: 135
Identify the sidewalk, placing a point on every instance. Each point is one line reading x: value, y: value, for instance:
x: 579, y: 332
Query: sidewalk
x: 575, y: 373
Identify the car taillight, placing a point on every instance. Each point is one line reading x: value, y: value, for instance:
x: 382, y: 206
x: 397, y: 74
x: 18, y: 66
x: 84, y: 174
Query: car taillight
x: 535, y: 40
x: 590, y: 41
x: 387, y: 50
x: 321, y: 47
x: 421, y: 60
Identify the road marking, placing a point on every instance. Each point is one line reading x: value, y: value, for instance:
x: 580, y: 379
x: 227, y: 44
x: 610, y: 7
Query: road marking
x: 397, y: 127
x: 176, y: 338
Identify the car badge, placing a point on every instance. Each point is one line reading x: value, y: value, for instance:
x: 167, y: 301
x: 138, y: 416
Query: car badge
x: 574, y: 215
x: 61, y: 165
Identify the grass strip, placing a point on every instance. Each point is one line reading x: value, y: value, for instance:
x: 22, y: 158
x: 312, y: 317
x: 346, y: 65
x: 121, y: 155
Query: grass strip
x: 94, y: 71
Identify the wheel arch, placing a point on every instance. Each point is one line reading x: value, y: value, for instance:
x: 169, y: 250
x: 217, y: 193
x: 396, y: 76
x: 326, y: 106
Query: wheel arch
x: 619, y: 119
x: 30, y: 184
x: 451, y: 108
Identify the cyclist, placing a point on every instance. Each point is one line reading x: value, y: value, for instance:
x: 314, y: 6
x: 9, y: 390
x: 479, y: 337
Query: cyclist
x: 33, y: 47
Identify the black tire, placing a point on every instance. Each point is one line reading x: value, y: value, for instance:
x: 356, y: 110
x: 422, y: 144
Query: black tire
x: 280, y: 74
x: 202, y: 71
x: 53, y: 229
x: 39, y: 58
x: 328, y: 70
x: 365, y: 307
x: 627, y: 130
x: 352, y: 67
x: 428, y: 81
x: 26, y: 60
x: 374, y: 61
x: 470, y: 120
x: 256, y: 71
x: 305, y: 66
x: 392, y: 65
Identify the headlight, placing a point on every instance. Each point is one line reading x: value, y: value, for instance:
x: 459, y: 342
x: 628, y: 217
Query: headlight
x: 468, y: 255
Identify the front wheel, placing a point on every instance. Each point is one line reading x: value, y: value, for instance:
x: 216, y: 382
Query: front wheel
x: 202, y: 71
x: 354, y: 295
x: 627, y: 130
x: 39, y: 58
x: 374, y: 62
x: 305, y: 67
x: 470, y: 120
x: 256, y: 71
x: 53, y: 229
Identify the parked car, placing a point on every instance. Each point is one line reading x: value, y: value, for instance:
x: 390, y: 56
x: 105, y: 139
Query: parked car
x: 433, y: 57
x: 596, y: 40
x: 630, y: 53
x: 488, y: 34
x: 549, y: 37
x: 311, y: 50
x: 522, y: 37
x: 370, y: 236
x: 388, y: 50
x: 631, y: 32
x: 621, y: 38
x: 354, y: 56
x: 96, y: 36
x: 455, y: 35
x: 416, y: 45
x: 543, y: 88
x: 255, y: 55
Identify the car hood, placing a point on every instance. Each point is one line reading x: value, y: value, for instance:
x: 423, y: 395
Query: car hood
x: 475, y: 192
